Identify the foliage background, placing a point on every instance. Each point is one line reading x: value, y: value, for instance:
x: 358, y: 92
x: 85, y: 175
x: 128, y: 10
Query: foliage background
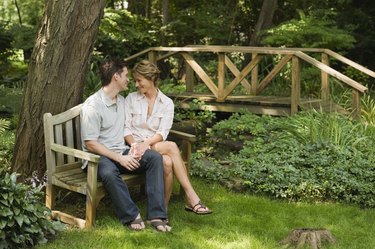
x: 310, y: 157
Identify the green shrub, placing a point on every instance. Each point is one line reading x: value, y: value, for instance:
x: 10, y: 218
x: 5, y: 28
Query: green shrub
x: 368, y: 110
x: 196, y: 117
x: 229, y: 135
x: 6, y: 143
x: 309, y: 156
x: 23, y: 218
x: 7, y: 139
x: 314, y: 30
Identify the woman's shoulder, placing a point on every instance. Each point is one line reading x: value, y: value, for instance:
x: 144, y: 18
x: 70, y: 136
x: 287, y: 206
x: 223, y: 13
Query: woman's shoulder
x: 165, y: 98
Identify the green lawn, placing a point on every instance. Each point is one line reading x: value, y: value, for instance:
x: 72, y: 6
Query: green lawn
x: 239, y: 221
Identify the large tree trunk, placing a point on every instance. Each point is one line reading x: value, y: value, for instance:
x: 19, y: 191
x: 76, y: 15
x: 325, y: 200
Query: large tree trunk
x: 165, y: 20
x: 56, y: 74
x: 264, y: 20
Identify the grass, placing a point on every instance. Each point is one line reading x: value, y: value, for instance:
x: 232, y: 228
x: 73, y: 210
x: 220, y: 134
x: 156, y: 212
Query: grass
x: 239, y: 221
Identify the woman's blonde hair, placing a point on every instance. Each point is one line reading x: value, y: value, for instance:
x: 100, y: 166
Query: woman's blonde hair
x: 148, y: 70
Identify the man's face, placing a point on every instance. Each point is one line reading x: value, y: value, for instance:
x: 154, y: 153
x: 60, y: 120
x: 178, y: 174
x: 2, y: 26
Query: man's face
x: 123, y: 79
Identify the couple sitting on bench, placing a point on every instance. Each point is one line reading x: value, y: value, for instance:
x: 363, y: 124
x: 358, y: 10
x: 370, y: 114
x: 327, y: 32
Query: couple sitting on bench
x: 143, y: 119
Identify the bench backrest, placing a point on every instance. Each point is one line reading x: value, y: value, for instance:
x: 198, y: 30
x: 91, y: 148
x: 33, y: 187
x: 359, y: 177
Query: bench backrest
x: 62, y: 129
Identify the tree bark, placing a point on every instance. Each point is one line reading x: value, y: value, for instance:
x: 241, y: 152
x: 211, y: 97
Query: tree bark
x: 264, y: 20
x: 165, y: 11
x: 165, y: 20
x: 56, y: 74
x: 142, y: 8
x: 18, y: 11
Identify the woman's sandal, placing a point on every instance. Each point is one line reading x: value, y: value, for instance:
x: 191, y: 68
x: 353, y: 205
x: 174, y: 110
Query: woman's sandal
x: 197, y: 208
x: 137, y: 221
x: 159, y: 222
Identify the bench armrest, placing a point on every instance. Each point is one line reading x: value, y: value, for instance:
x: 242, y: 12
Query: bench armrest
x: 76, y: 153
x: 183, y: 135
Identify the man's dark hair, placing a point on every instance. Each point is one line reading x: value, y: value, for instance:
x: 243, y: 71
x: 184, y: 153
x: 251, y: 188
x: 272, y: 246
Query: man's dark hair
x: 109, y: 67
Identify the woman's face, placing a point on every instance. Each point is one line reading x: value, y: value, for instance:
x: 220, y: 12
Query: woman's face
x: 143, y: 85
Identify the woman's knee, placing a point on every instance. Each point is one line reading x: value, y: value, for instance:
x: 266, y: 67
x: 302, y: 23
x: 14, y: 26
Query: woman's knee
x: 168, y: 165
x: 172, y: 147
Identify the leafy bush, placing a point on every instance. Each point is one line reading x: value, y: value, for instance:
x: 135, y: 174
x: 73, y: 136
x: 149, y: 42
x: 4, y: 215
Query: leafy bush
x: 368, y: 110
x: 92, y: 80
x: 315, y: 30
x: 309, y: 156
x: 140, y: 33
x: 229, y: 135
x: 23, y: 218
x: 314, y: 126
x: 6, y: 143
x: 196, y: 117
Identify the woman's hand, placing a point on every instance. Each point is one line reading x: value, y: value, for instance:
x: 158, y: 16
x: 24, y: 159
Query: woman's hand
x: 128, y: 161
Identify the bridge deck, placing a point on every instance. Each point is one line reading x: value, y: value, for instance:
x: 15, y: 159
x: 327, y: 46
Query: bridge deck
x: 270, y: 105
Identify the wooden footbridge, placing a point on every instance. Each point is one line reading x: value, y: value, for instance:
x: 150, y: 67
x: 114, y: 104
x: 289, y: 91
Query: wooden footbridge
x: 230, y: 82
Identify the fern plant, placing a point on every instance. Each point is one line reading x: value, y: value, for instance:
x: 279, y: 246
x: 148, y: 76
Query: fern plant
x: 4, y: 124
x: 316, y: 126
x: 368, y: 110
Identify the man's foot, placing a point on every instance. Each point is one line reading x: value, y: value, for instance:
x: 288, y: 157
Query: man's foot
x: 198, y: 208
x: 137, y: 224
x: 160, y: 225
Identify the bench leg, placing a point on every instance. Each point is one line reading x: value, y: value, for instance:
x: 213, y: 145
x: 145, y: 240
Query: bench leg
x: 50, y: 196
x: 90, y: 211
x: 91, y: 195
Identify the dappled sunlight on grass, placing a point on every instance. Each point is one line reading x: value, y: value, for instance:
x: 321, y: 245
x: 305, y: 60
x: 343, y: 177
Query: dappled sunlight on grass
x: 238, y: 221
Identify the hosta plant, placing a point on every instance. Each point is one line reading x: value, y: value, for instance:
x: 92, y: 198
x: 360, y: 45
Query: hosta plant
x: 23, y: 218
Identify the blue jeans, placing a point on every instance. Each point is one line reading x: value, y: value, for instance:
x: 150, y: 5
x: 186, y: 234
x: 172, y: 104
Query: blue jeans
x: 151, y: 164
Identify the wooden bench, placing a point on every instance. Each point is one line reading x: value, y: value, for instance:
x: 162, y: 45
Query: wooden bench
x: 64, y: 157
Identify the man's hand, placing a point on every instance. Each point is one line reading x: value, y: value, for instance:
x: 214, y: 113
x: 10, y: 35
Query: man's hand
x: 129, y: 162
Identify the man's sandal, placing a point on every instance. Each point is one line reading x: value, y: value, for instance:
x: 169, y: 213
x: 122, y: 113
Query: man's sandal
x: 198, y: 208
x: 137, y: 221
x: 157, y: 223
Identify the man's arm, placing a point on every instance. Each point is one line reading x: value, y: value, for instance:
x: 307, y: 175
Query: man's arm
x: 126, y: 161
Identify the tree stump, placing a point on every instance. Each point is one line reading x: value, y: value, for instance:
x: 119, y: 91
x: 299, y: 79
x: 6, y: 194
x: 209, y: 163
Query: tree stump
x: 308, y: 236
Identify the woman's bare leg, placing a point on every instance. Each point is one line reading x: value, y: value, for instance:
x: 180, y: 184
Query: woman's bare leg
x: 179, y: 170
x: 168, y: 178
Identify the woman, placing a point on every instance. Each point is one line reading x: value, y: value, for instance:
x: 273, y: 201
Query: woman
x: 148, y: 119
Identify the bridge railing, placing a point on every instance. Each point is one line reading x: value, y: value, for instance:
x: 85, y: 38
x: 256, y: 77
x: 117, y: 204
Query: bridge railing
x: 286, y: 56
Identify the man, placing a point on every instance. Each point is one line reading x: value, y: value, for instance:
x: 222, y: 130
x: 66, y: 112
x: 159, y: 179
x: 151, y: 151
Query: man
x: 102, y: 128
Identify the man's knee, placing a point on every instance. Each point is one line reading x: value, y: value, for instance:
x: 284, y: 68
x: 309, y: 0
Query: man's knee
x: 153, y: 156
x: 106, y: 169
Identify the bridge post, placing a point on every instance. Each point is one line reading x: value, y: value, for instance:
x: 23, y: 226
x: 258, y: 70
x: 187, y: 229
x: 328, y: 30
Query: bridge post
x: 254, y: 76
x: 221, y: 77
x: 189, y: 78
x: 356, y: 104
x: 296, y: 85
x: 325, y: 83
x: 152, y: 57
